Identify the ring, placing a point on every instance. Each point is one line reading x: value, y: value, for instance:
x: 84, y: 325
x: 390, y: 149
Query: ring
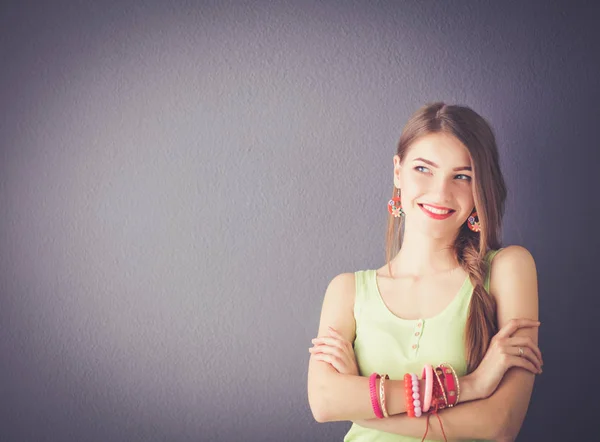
x: 520, y: 351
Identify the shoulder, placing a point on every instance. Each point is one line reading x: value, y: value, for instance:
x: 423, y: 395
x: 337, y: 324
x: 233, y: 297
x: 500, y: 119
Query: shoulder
x: 513, y: 283
x: 512, y: 262
x: 341, y: 281
x: 340, y: 291
x: 341, y: 288
x: 514, y: 253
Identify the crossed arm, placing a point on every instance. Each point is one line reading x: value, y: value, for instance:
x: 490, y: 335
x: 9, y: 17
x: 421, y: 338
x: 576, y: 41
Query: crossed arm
x: 492, y: 418
x: 334, y: 396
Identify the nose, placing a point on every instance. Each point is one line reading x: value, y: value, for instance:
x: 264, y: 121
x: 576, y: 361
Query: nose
x: 441, y: 192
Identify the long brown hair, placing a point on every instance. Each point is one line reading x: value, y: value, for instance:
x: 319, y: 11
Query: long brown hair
x: 489, y: 192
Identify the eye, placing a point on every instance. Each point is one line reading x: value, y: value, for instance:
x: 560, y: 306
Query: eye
x: 418, y: 168
x: 466, y: 177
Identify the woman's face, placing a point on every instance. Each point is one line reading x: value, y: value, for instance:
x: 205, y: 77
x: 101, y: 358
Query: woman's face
x: 436, y: 173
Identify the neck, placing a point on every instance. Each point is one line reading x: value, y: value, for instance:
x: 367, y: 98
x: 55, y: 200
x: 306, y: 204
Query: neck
x: 423, y: 255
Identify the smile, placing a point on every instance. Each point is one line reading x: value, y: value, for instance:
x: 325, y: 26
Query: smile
x: 435, y: 213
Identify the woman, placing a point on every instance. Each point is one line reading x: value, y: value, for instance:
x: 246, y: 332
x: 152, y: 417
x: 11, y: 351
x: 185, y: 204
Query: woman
x: 448, y: 294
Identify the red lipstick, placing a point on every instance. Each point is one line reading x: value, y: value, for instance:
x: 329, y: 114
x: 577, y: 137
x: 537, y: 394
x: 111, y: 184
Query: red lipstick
x: 436, y: 215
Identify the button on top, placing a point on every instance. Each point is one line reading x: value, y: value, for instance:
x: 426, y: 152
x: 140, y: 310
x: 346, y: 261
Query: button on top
x: 417, y: 333
x: 419, y: 324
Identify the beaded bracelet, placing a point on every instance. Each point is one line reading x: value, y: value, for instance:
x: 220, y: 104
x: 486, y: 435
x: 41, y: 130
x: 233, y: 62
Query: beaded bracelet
x: 372, y: 390
x: 382, y: 394
x: 451, y: 381
x: 410, y: 411
x: 411, y: 391
x: 416, y: 396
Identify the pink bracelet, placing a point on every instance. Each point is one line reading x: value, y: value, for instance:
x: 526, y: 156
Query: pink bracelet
x: 428, y: 376
x: 373, y: 391
x: 416, y: 397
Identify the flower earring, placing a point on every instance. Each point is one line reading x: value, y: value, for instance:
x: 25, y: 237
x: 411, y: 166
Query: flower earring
x: 473, y: 222
x: 394, y: 206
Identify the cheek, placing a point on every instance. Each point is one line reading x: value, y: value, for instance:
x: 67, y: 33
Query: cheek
x: 468, y: 199
x: 414, y: 182
x: 410, y: 190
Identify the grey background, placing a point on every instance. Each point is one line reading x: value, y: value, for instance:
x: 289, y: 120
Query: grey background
x: 181, y: 180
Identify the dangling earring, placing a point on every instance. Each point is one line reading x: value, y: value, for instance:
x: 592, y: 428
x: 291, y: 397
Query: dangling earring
x: 394, y: 206
x: 473, y: 222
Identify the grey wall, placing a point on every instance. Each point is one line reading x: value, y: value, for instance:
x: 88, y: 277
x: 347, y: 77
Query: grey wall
x: 180, y: 181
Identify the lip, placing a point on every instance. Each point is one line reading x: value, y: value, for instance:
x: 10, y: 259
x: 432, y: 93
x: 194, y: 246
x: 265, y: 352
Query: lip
x: 437, y: 207
x: 435, y: 215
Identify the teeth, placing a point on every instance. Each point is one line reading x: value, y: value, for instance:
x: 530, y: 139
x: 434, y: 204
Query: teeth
x: 436, y: 211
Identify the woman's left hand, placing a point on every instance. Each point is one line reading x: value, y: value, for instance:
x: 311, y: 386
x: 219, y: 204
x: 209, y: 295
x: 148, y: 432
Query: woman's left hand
x: 336, y: 351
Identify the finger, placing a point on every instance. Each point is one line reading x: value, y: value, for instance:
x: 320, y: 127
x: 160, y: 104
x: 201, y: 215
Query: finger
x: 345, y: 343
x: 516, y: 361
x: 328, y: 349
x: 514, y: 324
x: 526, y: 341
x: 334, y: 333
x: 329, y: 359
x: 342, y: 365
x: 527, y: 354
x: 329, y: 340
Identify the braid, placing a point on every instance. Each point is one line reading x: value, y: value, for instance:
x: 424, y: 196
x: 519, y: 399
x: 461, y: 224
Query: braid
x: 481, y: 322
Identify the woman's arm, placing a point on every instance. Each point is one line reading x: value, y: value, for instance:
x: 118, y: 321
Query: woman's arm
x: 335, y: 396
x: 499, y: 417
x: 471, y: 420
x: 344, y: 395
x: 516, y: 291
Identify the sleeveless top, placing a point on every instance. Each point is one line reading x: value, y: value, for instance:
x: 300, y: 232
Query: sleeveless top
x: 386, y: 343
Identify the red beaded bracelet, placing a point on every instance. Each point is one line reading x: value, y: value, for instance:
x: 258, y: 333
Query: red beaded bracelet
x: 408, y: 393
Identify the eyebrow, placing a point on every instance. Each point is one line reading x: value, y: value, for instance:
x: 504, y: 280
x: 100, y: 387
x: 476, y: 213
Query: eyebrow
x: 431, y: 163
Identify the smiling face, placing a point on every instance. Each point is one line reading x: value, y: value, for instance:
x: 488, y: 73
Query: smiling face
x: 436, y: 183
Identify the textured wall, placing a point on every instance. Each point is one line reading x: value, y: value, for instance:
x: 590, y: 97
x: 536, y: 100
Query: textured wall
x: 180, y: 181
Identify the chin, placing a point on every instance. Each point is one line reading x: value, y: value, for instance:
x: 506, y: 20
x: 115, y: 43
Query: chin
x: 438, y: 233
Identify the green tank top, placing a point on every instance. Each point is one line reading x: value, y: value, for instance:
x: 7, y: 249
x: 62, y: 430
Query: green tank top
x: 385, y: 343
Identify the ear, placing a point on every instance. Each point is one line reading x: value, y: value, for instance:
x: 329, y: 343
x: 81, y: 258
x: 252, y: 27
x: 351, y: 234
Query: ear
x: 397, y: 172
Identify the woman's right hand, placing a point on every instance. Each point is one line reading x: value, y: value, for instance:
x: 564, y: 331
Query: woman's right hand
x: 506, y: 351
